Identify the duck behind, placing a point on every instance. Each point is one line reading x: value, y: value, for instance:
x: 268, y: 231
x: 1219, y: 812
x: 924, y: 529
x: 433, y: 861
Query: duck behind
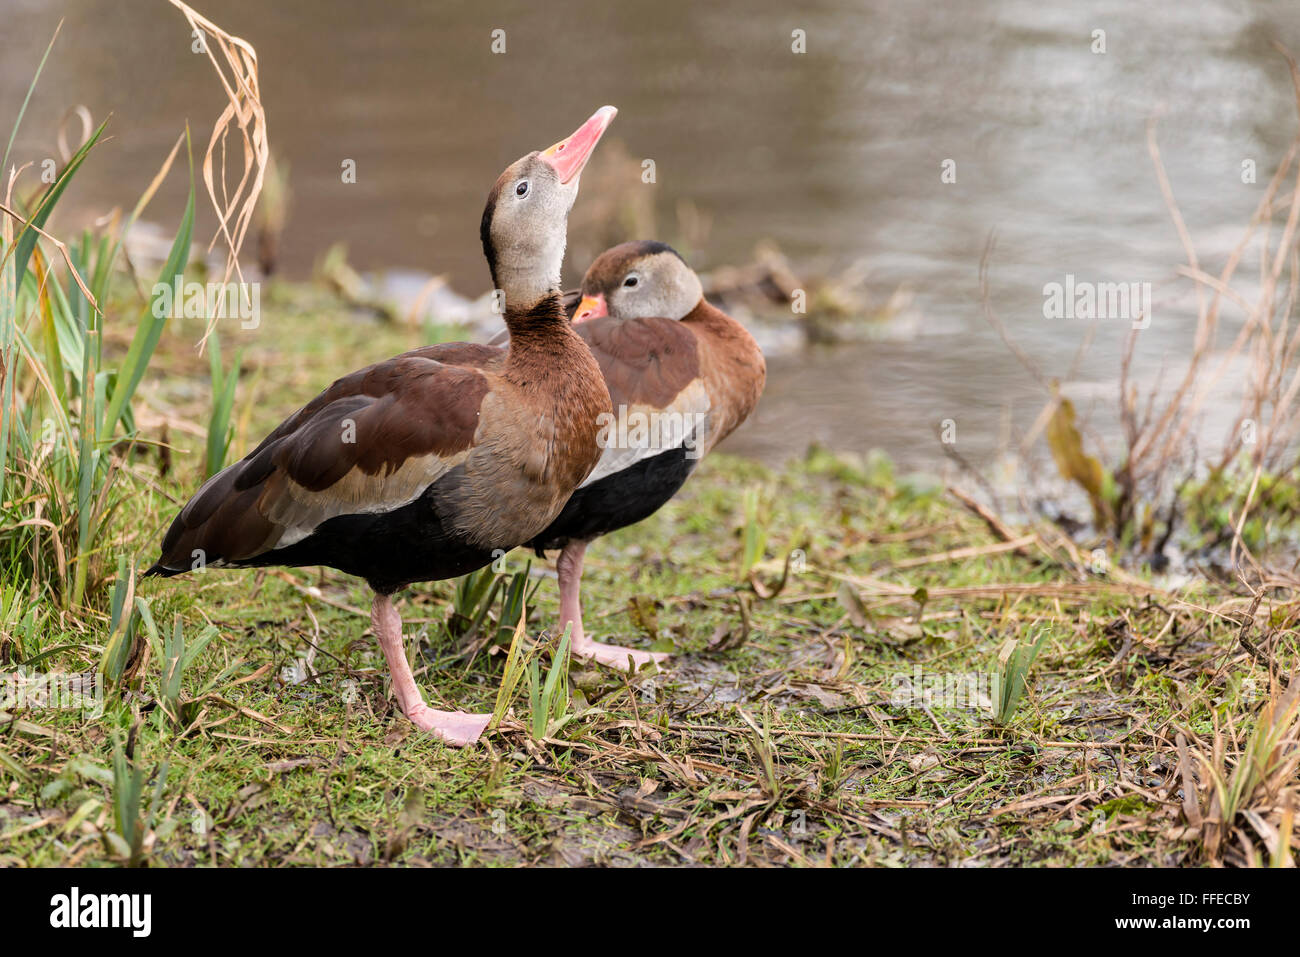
x: 682, y: 375
x: 420, y: 467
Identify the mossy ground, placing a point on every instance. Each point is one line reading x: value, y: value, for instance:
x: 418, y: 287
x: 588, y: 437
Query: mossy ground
x: 773, y: 738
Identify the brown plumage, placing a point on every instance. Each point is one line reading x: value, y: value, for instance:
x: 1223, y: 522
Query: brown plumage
x: 493, y: 440
x: 670, y: 357
x: 427, y: 464
x: 645, y: 362
x: 732, y: 369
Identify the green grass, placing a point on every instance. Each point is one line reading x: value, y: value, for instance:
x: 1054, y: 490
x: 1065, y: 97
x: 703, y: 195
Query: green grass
x: 774, y: 737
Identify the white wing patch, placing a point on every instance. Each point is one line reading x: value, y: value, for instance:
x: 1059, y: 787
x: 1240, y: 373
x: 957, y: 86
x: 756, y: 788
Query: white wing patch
x: 301, y: 510
x: 631, y: 434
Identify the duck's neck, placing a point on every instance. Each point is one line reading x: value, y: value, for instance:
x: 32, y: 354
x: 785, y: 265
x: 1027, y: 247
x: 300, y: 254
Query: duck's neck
x: 539, y: 334
x: 526, y: 285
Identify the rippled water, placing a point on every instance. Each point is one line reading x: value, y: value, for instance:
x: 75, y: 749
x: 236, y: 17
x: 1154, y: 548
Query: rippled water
x: 835, y: 155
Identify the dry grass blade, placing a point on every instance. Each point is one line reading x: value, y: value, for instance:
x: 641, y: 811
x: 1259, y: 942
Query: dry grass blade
x: 1160, y: 459
x: 63, y: 251
x: 237, y: 70
x: 1274, y: 350
x: 1191, y: 807
x: 1247, y: 782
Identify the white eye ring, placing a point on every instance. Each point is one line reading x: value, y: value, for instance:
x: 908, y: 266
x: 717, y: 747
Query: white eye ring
x: 521, y: 188
x: 631, y: 280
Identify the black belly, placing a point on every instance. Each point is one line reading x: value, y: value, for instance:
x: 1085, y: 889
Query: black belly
x: 390, y: 550
x: 618, y: 500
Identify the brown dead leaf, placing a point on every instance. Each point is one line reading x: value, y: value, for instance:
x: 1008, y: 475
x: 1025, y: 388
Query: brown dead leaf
x: 289, y: 764
x: 852, y: 603
x: 644, y: 614
x: 827, y: 699
x: 1074, y: 463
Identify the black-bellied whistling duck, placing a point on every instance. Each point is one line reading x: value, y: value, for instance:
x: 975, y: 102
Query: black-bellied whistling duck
x: 681, y: 374
x: 420, y: 467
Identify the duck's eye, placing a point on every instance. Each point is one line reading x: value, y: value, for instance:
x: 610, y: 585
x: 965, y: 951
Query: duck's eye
x: 522, y: 188
x: 630, y: 281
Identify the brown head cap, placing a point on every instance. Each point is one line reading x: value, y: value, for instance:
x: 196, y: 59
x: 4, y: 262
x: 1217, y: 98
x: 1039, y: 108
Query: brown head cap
x: 639, y: 280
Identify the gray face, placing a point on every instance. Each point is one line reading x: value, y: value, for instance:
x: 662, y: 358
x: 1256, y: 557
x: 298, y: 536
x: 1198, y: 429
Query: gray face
x: 529, y: 227
x: 659, y: 285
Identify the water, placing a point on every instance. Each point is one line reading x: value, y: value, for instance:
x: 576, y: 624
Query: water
x: 835, y: 155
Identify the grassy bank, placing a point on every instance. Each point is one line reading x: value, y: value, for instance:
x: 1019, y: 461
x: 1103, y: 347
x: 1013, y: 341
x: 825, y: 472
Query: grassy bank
x: 870, y: 669
x: 777, y: 736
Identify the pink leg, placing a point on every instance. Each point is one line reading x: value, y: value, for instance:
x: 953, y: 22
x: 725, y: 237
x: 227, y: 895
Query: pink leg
x: 454, y: 727
x: 569, y: 568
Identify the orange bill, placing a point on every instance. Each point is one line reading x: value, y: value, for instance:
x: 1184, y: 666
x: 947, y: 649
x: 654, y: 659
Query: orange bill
x: 570, y: 155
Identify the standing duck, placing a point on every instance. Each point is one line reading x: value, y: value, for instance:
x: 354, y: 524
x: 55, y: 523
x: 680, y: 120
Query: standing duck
x: 682, y: 375
x: 420, y: 467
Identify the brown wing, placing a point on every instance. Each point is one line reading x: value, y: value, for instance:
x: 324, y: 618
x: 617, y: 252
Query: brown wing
x: 371, y: 442
x: 646, y: 362
x: 652, y: 369
x: 570, y: 299
x: 732, y: 367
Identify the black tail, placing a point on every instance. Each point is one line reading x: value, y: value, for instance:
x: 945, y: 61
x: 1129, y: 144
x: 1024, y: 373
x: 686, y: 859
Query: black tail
x: 163, y: 571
